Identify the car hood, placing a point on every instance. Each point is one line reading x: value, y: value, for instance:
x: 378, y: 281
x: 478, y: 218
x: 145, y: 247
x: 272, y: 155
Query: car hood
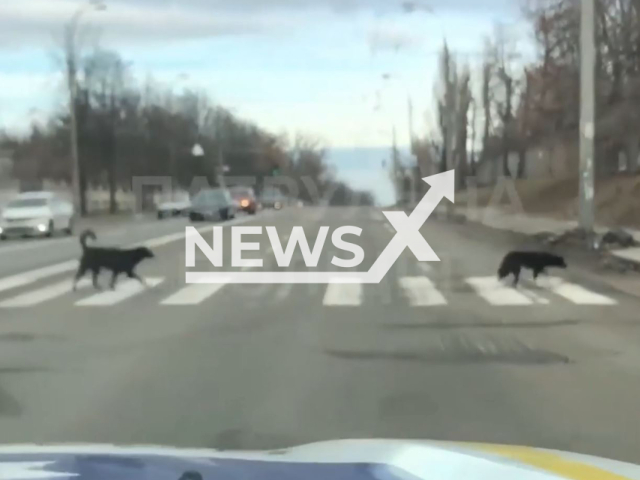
x: 26, y: 212
x: 344, y: 459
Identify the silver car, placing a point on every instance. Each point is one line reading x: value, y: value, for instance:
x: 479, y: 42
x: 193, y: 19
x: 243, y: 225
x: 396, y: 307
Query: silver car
x: 36, y: 214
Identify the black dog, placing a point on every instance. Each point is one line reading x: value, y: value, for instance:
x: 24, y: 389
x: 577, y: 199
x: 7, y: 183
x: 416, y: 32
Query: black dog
x: 536, y: 261
x: 114, y: 259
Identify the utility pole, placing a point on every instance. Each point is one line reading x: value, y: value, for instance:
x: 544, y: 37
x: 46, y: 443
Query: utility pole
x: 70, y: 34
x: 70, y: 50
x: 396, y: 167
x: 587, y: 115
x: 219, y: 163
x: 410, y: 113
x: 415, y: 170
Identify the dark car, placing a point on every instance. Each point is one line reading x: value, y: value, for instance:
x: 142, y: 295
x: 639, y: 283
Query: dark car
x: 212, y: 204
x: 245, y: 199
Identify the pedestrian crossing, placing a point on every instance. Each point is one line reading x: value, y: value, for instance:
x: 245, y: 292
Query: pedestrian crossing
x: 501, y: 294
x: 193, y: 294
x: 343, y: 295
x: 417, y: 291
x: 125, y: 290
x: 421, y: 292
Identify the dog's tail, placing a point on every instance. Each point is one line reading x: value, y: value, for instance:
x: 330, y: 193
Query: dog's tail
x: 86, y: 235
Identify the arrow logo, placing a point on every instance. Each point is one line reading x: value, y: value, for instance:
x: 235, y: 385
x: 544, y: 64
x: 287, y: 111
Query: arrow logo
x: 407, y: 236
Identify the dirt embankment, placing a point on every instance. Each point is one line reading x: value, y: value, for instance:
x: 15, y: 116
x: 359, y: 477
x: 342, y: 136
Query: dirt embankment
x: 617, y: 198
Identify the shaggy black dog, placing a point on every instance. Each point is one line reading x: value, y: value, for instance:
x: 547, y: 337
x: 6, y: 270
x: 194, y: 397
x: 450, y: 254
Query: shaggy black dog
x: 513, y: 262
x: 114, y: 259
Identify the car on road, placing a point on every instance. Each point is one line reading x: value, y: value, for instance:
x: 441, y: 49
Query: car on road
x: 212, y: 204
x: 273, y: 199
x: 172, y: 209
x: 36, y: 214
x: 245, y: 199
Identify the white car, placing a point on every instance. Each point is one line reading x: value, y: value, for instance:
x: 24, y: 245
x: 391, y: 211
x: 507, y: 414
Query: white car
x: 172, y: 209
x: 36, y: 213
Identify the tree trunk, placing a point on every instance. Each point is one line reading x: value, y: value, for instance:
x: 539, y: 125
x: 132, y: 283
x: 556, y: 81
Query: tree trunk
x: 505, y: 153
x: 522, y: 162
x: 83, y: 192
x: 505, y: 163
x: 111, y: 176
x: 632, y: 152
x: 110, y: 152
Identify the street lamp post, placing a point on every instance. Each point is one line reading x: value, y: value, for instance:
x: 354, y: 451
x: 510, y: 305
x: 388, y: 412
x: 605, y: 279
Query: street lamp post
x: 70, y: 33
x: 587, y: 114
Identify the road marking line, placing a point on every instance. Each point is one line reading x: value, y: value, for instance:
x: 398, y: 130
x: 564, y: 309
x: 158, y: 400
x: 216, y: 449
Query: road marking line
x: 421, y: 292
x: 349, y: 294
x: 33, y: 244
x: 31, y: 276
x: 575, y: 293
x: 123, y: 291
x: 41, y: 295
x: 21, y: 279
x: 158, y: 242
x: 193, y: 294
x: 496, y: 293
x: 532, y: 294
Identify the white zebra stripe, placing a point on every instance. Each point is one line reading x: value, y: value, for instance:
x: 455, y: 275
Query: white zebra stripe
x: 421, y: 292
x: 193, y: 294
x: 123, y: 291
x: 348, y: 294
x: 497, y: 293
x: 574, y: 292
x: 21, y: 279
x: 41, y: 295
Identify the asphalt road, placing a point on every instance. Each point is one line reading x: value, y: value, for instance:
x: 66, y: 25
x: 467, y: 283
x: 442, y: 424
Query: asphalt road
x: 435, y: 351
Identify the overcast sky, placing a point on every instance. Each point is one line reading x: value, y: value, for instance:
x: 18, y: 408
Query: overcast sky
x: 314, y: 66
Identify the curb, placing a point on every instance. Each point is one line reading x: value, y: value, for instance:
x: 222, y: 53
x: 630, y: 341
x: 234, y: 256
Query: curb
x: 483, y: 216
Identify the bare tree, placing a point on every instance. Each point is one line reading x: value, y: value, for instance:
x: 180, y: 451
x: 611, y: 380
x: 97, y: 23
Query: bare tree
x: 487, y: 101
x: 474, y: 134
x: 447, y: 106
x: 463, y: 101
x: 504, y: 93
x: 71, y: 54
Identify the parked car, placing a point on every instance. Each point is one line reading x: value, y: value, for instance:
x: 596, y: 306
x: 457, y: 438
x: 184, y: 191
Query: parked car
x: 212, y: 204
x: 245, y: 199
x: 172, y: 209
x: 36, y: 213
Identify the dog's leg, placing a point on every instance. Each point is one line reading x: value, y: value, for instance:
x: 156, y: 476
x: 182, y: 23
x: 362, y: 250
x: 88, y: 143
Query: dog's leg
x: 516, y: 276
x: 536, y: 272
x: 94, y: 274
x: 114, y: 278
x: 133, y: 274
x: 79, y: 274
